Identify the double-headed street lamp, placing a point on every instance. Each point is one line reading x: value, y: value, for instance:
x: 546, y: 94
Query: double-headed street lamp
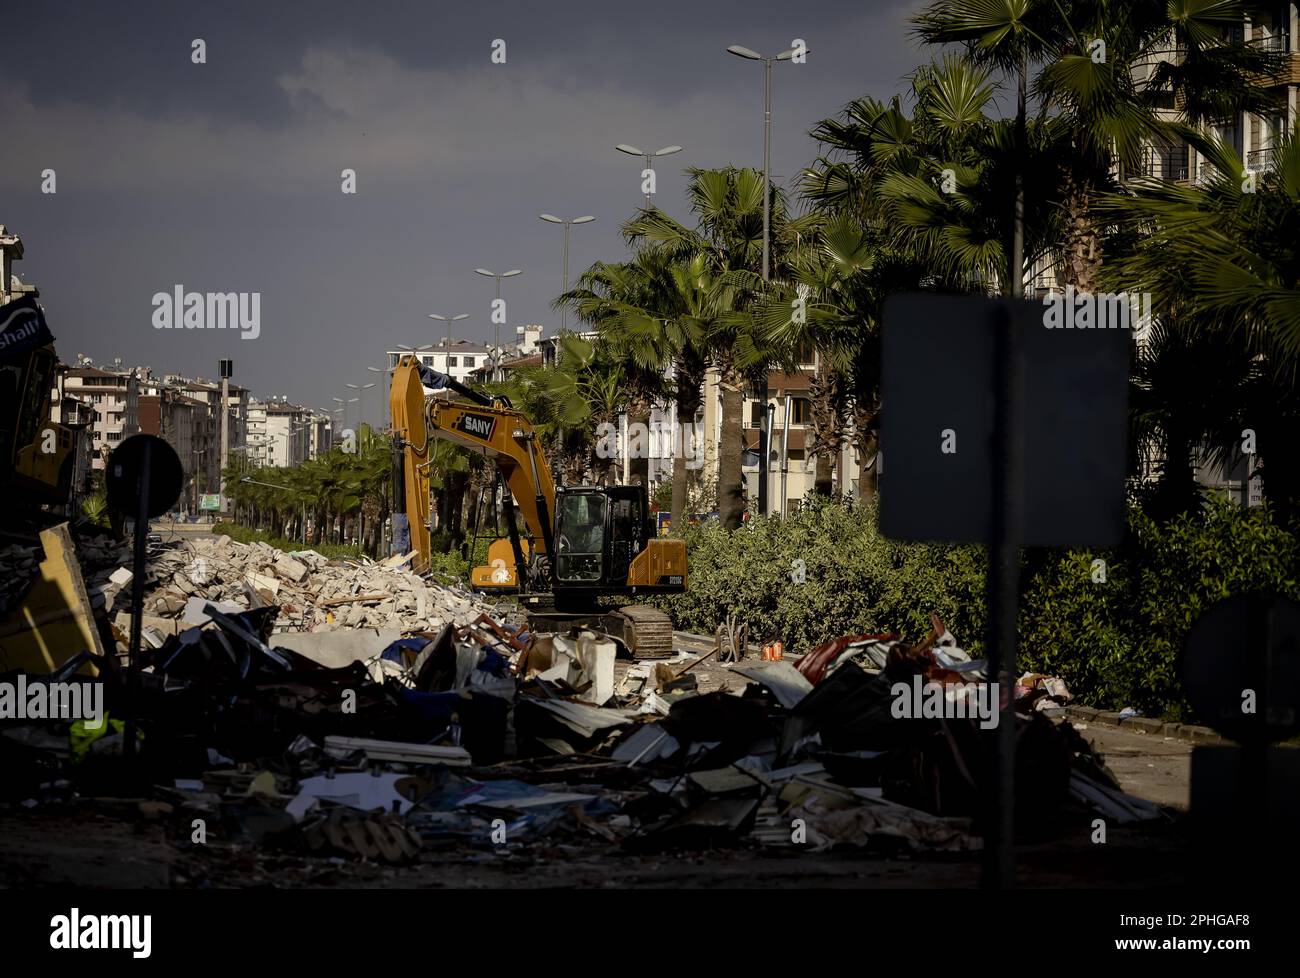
x: 551, y: 218
x: 361, y: 393
x: 448, y: 320
x: 633, y: 151
x: 744, y: 52
x: 491, y: 274
x: 343, y: 406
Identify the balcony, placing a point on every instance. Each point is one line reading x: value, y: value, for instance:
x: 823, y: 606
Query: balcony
x: 1259, y: 160
x: 1160, y: 163
x: 1278, y: 43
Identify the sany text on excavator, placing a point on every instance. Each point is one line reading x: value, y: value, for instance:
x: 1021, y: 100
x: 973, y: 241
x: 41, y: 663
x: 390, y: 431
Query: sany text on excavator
x: 582, y: 543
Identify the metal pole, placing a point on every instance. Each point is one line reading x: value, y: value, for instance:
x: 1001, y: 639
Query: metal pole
x: 564, y: 309
x: 785, y: 450
x: 764, y: 475
x: 767, y: 154
x: 137, y: 600
x: 225, y: 438
x: 1004, y: 549
x: 647, y: 196
x: 498, y: 325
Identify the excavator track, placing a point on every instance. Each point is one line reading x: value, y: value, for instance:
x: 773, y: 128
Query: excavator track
x: 646, y: 632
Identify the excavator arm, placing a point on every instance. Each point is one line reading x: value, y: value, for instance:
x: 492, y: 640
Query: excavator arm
x: 490, y: 428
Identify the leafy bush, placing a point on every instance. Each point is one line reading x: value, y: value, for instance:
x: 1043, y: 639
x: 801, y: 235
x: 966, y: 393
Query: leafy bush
x: 1116, y: 641
x: 854, y: 580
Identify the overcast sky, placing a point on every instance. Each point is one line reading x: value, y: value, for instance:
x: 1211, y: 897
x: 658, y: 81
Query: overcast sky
x: 225, y: 176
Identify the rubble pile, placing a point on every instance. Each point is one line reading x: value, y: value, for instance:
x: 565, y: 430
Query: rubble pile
x: 312, y: 592
x: 357, y: 711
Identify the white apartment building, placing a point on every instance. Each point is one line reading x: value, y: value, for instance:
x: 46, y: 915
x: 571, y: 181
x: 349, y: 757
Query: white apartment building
x: 458, y: 362
x: 114, y: 397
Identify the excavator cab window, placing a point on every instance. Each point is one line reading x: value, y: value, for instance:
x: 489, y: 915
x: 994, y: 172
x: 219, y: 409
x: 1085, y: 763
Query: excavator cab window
x: 580, y: 537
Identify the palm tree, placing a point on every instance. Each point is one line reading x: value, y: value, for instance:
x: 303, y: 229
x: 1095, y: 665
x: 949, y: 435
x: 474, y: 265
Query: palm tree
x: 1087, y: 54
x: 728, y: 242
x: 913, y: 201
x: 621, y: 300
x: 1220, y: 262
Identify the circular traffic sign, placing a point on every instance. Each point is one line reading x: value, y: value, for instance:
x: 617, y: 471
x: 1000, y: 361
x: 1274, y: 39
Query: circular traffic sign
x: 126, y: 466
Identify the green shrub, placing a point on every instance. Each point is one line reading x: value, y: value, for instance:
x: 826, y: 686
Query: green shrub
x: 854, y: 580
x: 1115, y: 642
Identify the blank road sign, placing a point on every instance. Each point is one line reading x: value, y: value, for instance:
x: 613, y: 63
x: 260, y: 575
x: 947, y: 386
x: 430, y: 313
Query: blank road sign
x: 937, y: 405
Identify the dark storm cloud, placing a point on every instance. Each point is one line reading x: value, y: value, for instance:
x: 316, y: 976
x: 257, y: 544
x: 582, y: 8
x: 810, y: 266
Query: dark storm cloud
x: 225, y: 176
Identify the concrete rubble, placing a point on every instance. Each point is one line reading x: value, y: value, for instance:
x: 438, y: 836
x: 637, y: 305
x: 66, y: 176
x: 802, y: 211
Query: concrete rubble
x: 354, y: 710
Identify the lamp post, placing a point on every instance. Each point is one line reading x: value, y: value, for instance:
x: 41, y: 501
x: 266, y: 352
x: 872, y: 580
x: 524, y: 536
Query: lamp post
x: 344, y: 407
x: 633, y: 151
x: 387, y: 372
x: 491, y: 274
x: 361, y: 389
x: 448, y: 320
x: 552, y: 219
x: 750, y: 55
x: 198, y: 453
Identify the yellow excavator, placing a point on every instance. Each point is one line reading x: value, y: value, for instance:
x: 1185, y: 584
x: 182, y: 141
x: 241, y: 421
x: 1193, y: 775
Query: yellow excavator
x: 582, y: 544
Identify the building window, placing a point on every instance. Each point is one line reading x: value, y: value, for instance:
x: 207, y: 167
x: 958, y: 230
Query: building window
x: 451, y: 362
x: 801, y: 412
x: 469, y: 362
x: 428, y: 361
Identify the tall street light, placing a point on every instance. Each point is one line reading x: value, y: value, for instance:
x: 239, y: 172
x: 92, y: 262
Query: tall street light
x: 633, y: 151
x: 744, y: 52
x: 491, y: 274
x: 387, y: 372
x: 564, y: 309
x: 448, y: 320
x: 361, y: 393
x: 344, y: 407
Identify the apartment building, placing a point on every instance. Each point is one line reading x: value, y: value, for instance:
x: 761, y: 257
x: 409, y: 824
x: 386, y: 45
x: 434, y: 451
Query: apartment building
x: 459, y: 361
x: 188, y: 424
x: 114, y: 398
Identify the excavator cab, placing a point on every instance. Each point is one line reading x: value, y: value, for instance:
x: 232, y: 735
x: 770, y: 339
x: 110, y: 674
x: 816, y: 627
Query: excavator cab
x: 599, y: 531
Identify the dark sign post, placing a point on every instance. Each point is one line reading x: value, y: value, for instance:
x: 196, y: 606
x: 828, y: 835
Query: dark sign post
x: 144, y: 480
x: 999, y: 429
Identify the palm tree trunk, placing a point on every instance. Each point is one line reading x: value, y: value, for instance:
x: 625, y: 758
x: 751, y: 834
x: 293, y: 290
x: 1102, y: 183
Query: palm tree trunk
x: 865, y: 438
x: 825, y: 427
x: 681, y: 474
x: 639, y: 464
x: 1082, y: 242
x: 731, y: 490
